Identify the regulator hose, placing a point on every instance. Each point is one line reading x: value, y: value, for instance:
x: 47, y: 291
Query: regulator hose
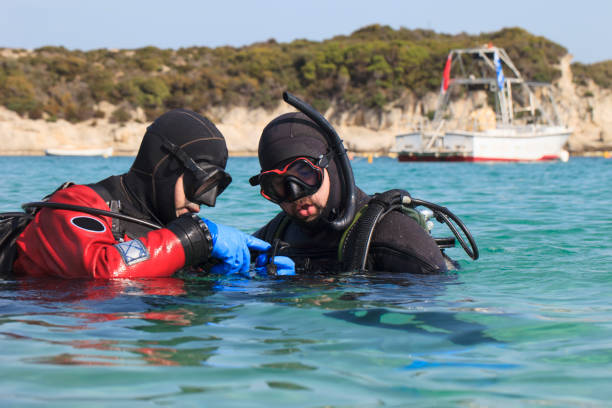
x: 349, y: 197
x: 88, y: 210
x: 443, y: 214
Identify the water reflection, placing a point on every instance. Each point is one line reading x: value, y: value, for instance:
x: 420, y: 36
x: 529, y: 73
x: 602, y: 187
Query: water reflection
x: 349, y: 290
x: 109, y: 311
x: 183, y: 321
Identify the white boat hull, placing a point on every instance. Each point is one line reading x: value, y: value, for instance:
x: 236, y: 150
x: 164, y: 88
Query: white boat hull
x: 528, y: 143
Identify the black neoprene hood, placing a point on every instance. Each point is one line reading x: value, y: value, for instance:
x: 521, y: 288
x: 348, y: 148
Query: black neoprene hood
x: 158, y: 169
x: 296, y: 135
x: 288, y: 136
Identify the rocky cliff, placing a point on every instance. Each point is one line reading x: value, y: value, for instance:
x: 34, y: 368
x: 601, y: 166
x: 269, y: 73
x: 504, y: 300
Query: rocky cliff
x: 586, y: 109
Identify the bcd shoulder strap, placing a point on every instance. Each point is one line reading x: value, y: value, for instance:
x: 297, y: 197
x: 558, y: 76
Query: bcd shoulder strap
x: 355, y: 243
x: 276, y: 227
x: 115, y: 207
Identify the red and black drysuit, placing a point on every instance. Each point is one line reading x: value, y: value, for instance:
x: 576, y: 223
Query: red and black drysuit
x: 72, y: 244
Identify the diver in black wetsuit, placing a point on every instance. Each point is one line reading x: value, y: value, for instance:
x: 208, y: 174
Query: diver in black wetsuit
x: 302, y: 173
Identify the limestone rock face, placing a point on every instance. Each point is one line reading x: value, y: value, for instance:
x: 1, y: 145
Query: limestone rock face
x: 19, y: 136
x: 585, y: 109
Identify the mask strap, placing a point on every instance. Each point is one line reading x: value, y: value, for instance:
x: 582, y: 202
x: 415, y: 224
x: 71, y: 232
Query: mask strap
x: 323, y: 160
x: 185, y: 159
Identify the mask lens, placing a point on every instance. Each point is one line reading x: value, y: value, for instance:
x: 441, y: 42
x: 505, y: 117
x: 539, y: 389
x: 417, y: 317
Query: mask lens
x: 298, y: 179
x: 198, y: 189
x: 307, y: 172
x: 209, y: 197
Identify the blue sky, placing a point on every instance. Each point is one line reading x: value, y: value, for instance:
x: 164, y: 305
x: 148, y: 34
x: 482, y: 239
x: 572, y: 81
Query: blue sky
x: 584, y: 27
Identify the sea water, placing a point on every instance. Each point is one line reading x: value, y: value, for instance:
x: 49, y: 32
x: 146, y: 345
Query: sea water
x: 527, y: 324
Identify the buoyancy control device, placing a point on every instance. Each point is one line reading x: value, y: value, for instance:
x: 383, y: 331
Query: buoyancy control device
x: 354, y: 246
x: 355, y: 243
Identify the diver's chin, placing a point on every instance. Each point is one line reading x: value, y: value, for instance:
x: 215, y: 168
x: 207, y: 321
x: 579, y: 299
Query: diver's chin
x: 308, y: 219
x: 189, y: 208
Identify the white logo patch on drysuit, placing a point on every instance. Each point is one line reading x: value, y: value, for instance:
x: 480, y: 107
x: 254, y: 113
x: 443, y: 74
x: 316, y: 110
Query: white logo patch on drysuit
x: 89, y: 224
x: 132, y: 251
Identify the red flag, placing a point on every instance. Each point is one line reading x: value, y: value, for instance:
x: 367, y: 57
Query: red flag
x: 446, y: 75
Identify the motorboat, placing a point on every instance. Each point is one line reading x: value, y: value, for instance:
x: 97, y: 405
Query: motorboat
x: 510, y: 119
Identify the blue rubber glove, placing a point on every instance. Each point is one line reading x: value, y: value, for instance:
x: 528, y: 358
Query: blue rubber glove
x: 284, y: 265
x: 231, y: 247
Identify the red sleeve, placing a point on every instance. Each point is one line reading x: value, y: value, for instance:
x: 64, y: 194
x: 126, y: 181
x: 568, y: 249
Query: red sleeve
x: 72, y: 244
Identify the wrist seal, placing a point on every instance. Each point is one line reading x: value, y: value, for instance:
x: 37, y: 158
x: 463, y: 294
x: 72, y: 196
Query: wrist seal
x: 195, y: 238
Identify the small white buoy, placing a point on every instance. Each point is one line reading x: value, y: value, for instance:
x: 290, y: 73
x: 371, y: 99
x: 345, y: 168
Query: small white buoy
x: 564, y: 156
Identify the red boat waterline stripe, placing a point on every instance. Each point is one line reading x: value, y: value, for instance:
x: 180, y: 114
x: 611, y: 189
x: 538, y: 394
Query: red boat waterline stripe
x: 471, y: 159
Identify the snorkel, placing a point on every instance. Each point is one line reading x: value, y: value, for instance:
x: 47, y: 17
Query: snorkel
x: 349, y: 197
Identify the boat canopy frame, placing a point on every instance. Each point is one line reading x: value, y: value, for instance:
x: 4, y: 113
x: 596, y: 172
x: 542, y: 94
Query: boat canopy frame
x: 505, y: 110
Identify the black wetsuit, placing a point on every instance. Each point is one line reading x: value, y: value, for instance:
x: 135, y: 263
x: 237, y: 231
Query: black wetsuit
x: 399, y: 244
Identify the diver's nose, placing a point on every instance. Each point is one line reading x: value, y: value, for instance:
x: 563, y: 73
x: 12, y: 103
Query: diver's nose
x: 293, y: 190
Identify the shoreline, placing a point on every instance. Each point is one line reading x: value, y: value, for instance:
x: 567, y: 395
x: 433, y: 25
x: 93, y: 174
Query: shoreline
x: 231, y: 154
x: 603, y: 153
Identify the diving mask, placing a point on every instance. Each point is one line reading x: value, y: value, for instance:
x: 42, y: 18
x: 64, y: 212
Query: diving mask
x: 203, y: 182
x: 298, y: 178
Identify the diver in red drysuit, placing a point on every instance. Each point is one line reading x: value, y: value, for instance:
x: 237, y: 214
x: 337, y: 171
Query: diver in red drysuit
x: 180, y: 165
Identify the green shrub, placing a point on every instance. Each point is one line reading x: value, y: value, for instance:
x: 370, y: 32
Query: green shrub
x: 68, y: 66
x: 101, y: 84
x: 120, y: 115
x: 18, y: 94
x: 150, y: 64
x: 151, y: 92
x: 600, y: 73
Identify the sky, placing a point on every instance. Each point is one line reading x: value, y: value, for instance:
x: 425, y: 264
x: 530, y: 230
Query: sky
x: 584, y: 27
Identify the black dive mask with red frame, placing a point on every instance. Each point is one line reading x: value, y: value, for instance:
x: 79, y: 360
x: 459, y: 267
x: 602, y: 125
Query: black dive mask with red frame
x: 300, y: 177
x: 203, y: 182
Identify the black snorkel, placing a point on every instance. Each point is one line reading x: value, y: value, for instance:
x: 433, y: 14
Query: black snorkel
x: 349, y: 197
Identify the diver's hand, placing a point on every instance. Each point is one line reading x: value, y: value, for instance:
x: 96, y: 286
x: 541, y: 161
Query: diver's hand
x: 231, y: 247
x: 283, y: 264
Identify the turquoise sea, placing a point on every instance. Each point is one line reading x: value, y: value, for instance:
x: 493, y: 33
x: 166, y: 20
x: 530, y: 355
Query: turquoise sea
x: 529, y: 324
